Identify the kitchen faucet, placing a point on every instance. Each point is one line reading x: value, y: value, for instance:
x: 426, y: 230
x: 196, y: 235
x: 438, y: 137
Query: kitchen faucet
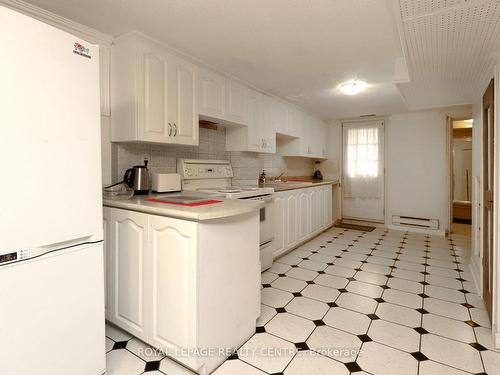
x: 279, y: 179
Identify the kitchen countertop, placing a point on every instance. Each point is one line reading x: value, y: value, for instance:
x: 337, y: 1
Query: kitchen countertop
x: 227, y: 208
x: 294, y: 183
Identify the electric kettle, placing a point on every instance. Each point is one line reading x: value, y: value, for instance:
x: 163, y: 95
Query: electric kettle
x: 137, y: 178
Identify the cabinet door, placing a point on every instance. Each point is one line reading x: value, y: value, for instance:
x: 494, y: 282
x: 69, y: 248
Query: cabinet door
x: 308, y: 130
x: 129, y: 243
x: 184, y: 114
x: 293, y: 121
x: 322, y: 208
x: 303, y: 214
x: 172, y: 269
x: 281, y: 118
x: 253, y: 117
x: 292, y: 220
x: 329, y: 205
x: 280, y: 223
x: 315, y: 210
x: 212, y: 91
x: 269, y: 123
x: 235, y: 102
x: 154, y: 118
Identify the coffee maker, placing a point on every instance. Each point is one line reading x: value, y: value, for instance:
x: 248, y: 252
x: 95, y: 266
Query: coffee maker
x: 317, y: 173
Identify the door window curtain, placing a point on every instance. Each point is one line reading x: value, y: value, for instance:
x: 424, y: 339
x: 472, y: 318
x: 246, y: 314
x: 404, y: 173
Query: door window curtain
x: 362, y: 152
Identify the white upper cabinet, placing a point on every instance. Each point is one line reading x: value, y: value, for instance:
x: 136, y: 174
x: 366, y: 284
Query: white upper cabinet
x: 271, y: 121
x: 259, y: 134
x: 154, y: 94
x: 312, y: 138
x: 212, y: 94
x: 293, y: 121
x: 221, y: 99
x: 253, y: 117
x: 183, y: 107
x: 159, y: 96
x: 275, y: 113
x: 235, y: 102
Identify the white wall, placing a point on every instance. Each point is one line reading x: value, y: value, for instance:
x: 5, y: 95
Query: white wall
x: 416, y: 166
x: 332, y: 168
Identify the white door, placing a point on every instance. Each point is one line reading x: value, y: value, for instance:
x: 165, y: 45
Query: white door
x: 363, y: 170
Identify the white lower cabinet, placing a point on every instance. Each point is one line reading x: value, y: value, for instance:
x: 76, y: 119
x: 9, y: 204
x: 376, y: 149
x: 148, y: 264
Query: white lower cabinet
x: 315, y: 209
x: 292, y: 219
x: 174, y: 283
x: 126, y: 285
x: 280, y: 218
x: 172, y: 269
x: 303, y: 214
x: 299, y: 215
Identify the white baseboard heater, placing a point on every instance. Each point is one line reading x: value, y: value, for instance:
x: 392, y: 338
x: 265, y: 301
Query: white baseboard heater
x: 416, y: 222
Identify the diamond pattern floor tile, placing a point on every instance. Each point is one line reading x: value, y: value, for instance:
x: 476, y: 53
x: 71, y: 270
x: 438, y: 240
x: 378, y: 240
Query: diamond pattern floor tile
x: 382, y: 302
x: 313, y: 364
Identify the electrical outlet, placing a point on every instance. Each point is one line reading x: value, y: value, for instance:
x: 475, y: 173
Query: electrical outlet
x: 146, y: 157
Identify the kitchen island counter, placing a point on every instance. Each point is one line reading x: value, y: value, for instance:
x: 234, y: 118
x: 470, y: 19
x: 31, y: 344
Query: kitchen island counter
x: 223, y: 209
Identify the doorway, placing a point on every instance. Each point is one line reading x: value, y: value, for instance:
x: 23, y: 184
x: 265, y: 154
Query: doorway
x: 488, y: 186
x: 462, y: 177
x: 363, y: 171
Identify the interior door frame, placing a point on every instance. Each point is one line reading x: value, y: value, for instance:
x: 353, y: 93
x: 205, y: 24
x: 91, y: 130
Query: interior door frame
x: 450, y: 165
x: 490, y: 252
x: 384, y: 138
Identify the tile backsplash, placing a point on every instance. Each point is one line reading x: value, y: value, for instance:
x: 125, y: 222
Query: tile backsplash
x: 246, y: 165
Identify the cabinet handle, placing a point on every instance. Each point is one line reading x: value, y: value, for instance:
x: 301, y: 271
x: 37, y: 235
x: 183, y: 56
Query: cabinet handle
x: 169, y: 129
x: 175, y: 129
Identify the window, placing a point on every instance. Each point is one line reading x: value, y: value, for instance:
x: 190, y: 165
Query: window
x: 362, y: 152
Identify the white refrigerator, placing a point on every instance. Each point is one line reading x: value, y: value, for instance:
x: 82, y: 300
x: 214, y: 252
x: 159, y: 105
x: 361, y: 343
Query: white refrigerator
x: 51, y: 252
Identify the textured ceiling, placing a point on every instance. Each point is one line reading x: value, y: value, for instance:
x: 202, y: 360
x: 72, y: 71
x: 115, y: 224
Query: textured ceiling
x: 415, y: 54
x: 297, y: 49
x: 451, y: 48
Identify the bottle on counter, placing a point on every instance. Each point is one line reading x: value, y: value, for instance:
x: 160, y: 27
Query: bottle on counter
x: 262, y: 177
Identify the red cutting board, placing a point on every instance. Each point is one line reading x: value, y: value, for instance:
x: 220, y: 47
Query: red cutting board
x: 203, y: 203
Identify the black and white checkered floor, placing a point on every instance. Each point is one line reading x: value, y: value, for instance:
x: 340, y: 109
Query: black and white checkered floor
x: 383, y: 302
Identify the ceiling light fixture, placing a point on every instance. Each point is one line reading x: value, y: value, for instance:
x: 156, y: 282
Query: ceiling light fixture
x: 352, y: 87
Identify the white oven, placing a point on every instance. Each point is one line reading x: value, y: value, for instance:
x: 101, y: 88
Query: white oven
x: 266, y: 230
x: 214, y: 176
